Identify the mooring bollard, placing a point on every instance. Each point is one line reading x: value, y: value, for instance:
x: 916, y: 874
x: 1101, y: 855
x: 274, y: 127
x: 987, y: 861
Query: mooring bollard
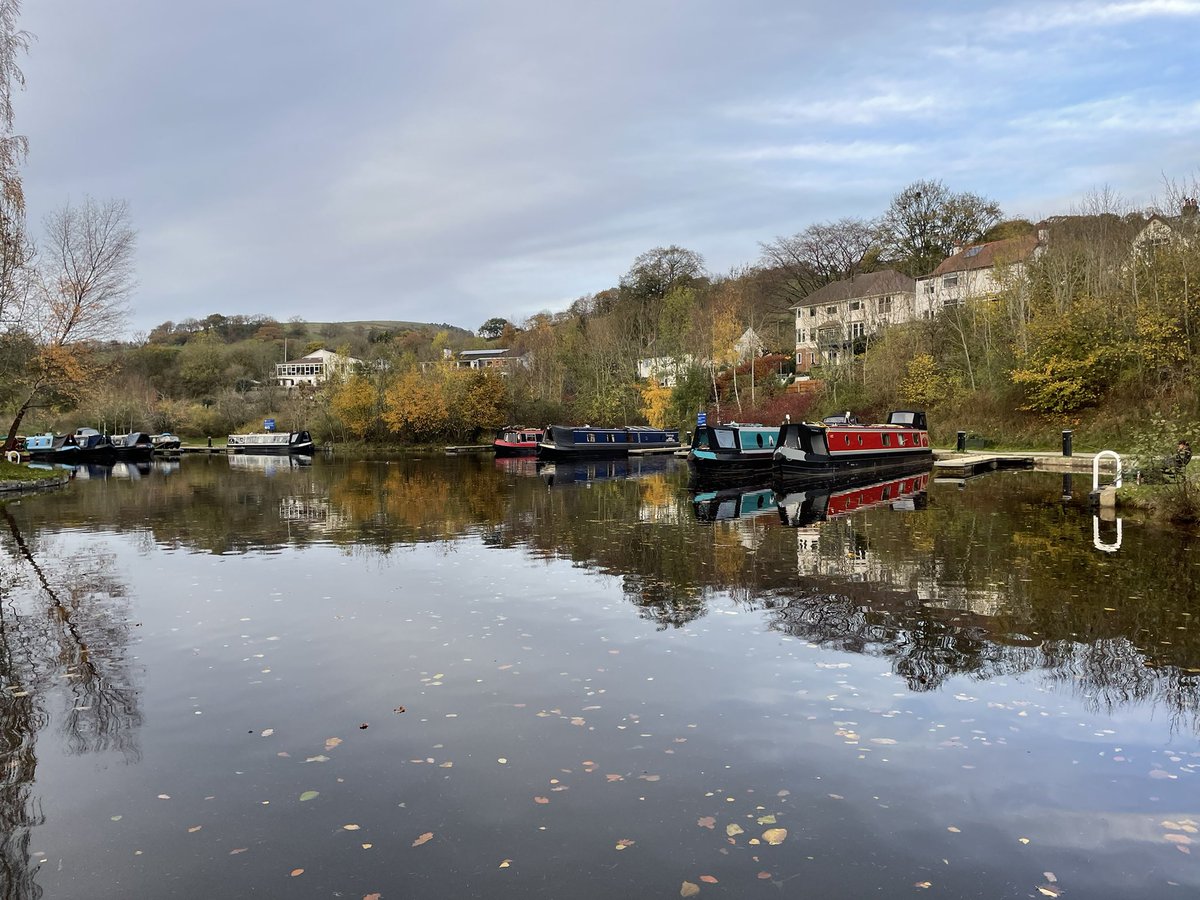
x: 1066, y: 443
x: 962, y: 442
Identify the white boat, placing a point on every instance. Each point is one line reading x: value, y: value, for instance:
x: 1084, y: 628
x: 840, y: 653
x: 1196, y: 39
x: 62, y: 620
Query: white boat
x: 270, y: 442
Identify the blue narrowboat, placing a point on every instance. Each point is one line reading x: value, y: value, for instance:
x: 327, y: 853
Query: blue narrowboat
x: 733, y: 450
x: 578, y: 441
x: 51, y: 447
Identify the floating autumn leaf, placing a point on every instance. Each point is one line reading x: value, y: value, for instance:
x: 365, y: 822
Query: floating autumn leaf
x: 164, y: 796
x: 194, y: 829
x: 612, y: 778
x: 624, y: 842
x: 236, y: 850
x: 650, y: 777
x: 1177, y: 838
x: 1023, y: 840
x: 707, y: 822
x: 1049, y: 890
x: 425, y: 838
x: 689, y: 890
x: 775, y: 836
x: 372, y: 896
x: 267, y: 732
x: 330, y: 743
x: 766, y: 820
x: 954, y: 830
x: 734, y: 830
x: 318, y: 758
x: 924, y: 885
x: 709, y: 879
x: 367, y: 846
x: 504, y: 863
x: 351, y: 827
x: 764, y: 875
x: 309, y: 795
x: 541, y: 799
x: 297, y: 872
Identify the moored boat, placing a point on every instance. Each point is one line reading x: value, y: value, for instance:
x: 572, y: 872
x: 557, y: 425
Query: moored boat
x: 574, y: 441
x: 93, y: 446
x: 165, y: 442
x: 840, y: 445
x: 732, y: 450
x: 271, y: 442
x: 135, y: 445
x: 722, y: 505
x: 513, y: 440
x: 51, y: 447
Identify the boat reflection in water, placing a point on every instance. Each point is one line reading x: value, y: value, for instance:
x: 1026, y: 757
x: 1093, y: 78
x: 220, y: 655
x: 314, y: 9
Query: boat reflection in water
x: 809, y: 503
x: 268, y: 464
x: 562, y: 472
x: 731, y: 503
x: 517, y: 465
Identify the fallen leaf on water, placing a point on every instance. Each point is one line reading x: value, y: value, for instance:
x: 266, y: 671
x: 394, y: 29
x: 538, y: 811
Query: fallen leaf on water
x: 541, y: 799
x: 372, y: 896
x: 954, y: 830
x: 764, y: 875
x: 709, y: 879
x: 689, y: 890
x: 1049, y: 890
x: 367, y: 846
x: 267, y: 732
x: 330, y: 743
x: 351, y: 827
x: 237, y: 850
x: 707, y: 822
x: 309, y: 795
x: 194, y: 829
x: 427, y: 836
x: 1023, y: 840
x: 624, y: 842
x: 1177, y: 838
x: 766, y: 820
x: 774, y: 836
x: 650, y: 777
x: 164, y: 796
x: 612, y: 778
x: 398, y: 709
x: 446, y: 765
x: 505, y: 863
x: 502, y: 761
x: 733, y: 830
x: 296, y: 872
x: 923, y: 884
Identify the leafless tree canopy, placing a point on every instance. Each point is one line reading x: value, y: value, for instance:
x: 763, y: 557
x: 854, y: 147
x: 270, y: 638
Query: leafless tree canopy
x: 88, y: 275
x: 13, y: 42
x: 821, y: 254
x: 926, y: 220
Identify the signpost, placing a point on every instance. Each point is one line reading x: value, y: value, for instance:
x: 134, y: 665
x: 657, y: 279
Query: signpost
x: 268, y: 424
x: 701, y: 419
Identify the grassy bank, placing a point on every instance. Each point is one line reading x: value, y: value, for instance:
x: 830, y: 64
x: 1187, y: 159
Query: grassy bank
x: 22, y: 473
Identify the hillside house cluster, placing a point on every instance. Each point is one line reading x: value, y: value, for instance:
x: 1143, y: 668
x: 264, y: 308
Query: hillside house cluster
x: 838, y: 320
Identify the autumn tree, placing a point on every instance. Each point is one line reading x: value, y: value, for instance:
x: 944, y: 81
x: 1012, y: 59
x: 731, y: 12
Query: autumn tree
x: 651, y: 277
x: 81, y: 296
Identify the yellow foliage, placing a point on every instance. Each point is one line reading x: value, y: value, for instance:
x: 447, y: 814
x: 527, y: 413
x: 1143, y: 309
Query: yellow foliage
x: 656, y: 402
x: 355, y: 402
x: 416, y: 404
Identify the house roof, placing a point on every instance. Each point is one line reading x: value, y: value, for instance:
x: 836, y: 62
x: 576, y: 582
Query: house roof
x: 985, y: 256
x: 481, y: 354
x: 888, y: 281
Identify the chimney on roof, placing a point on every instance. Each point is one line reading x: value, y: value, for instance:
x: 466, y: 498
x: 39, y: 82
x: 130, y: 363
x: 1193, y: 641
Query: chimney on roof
x: 1189, y: 209
x: 956, y: 249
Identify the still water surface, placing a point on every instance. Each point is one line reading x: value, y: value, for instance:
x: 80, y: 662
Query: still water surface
x: 431, y: 677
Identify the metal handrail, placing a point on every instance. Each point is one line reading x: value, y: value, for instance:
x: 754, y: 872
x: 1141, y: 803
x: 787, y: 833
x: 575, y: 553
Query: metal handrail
x: 1096, y: 469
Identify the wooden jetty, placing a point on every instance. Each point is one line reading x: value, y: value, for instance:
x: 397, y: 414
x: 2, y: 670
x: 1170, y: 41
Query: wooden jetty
x: 950, y: 464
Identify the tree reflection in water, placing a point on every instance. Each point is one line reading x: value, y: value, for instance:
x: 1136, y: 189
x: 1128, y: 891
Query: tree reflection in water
x: 62, y: 622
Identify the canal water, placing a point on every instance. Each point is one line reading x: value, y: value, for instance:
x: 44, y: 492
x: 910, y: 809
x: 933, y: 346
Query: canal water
x: 461, y: 677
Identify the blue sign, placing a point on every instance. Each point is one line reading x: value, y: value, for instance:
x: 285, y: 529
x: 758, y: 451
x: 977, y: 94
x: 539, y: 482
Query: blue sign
x: 701, y: 418
x: 268, y: 424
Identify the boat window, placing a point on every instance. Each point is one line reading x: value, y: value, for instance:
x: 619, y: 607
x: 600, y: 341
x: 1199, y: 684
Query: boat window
x: 903, y: 439
x: 702, y: 439
x: 724, y: 438
x: 771, y: 439
x: 846, y: 438
x: 612, y: 438
x: 887, y: 440
x: 860, y: 440
x: 758, y: 437
x: 591, y: 438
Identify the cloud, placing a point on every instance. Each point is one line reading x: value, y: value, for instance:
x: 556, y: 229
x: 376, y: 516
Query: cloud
x: 1094, y: 15
x: 866, y: 108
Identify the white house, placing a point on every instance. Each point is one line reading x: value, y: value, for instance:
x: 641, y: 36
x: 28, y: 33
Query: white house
x: 977, y: 272
x: 832, y: 320
x: 314, y: 369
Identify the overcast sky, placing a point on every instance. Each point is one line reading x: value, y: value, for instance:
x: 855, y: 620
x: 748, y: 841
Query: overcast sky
x: 454, y: 161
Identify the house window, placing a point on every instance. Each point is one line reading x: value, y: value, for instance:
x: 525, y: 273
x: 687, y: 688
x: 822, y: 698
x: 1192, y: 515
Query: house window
x: 812, y: 310
x: 885, y: 304
x: 949, y: 281
x: 855, y: 304
x: 857, y: 330
x: 831, y: 310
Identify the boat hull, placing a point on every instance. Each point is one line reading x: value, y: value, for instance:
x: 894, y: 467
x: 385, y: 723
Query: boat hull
x: 732, y: 452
